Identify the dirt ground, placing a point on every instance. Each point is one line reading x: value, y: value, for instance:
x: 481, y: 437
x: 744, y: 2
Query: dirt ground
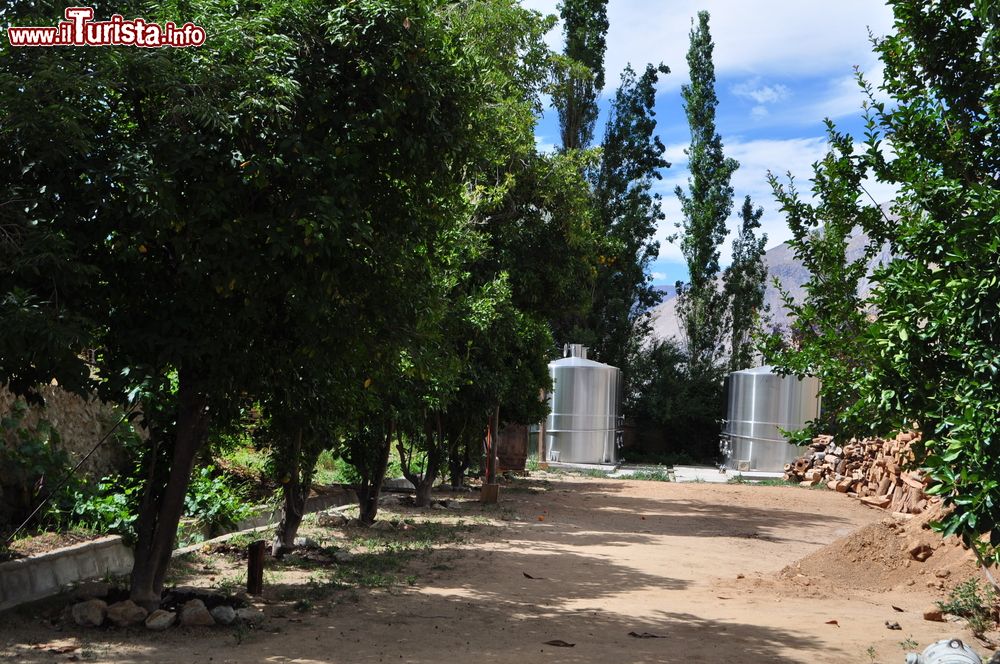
x: 719, y: 573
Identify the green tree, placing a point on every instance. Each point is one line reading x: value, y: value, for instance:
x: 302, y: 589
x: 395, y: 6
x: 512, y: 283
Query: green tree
x: 627, y: 214
x: 701, y: 303
x: 303, y: 156
x: 579, y: 76
x: 828, y: 328
x: 938, y: 327
x: 745, y: 282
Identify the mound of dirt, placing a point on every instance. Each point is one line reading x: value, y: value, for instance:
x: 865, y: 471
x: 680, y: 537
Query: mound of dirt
x: 891, y: 554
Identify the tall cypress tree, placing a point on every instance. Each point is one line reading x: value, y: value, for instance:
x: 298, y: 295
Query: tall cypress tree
x: 745, y: 281
x: 580, y: 74
x: 706, y: 207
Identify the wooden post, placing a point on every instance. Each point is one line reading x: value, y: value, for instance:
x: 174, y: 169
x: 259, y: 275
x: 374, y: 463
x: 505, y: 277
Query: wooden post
x: 255, y: 567
x: 542, y: 461
x: 491, y: 490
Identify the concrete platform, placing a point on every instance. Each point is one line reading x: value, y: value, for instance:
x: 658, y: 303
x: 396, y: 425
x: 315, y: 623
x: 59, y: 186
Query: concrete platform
x: 713, y: 474
x: 565, y: 465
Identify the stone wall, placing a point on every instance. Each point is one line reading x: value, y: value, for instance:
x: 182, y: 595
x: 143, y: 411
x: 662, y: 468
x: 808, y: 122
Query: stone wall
x: 81, y: 423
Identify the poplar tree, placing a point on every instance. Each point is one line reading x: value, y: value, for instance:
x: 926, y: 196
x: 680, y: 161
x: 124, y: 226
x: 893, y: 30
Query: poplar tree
x: 701, y: 304
x: 628, y: 211
x: 745, y: 281
x: 579, y: 75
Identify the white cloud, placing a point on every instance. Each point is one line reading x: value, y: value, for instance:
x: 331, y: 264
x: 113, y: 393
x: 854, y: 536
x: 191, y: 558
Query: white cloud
x: 658, y: 276
x: 844, y: 97
x: 762, y: 94
x: 759, y: 112
x: 759, y: 38
x: 544, y: 146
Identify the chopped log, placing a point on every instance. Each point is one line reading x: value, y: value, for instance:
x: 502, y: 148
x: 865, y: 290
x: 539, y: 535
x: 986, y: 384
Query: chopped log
x: 876, y: 501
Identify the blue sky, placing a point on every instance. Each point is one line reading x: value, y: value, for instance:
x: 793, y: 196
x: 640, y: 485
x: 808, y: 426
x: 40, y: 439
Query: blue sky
x: 781, y: 67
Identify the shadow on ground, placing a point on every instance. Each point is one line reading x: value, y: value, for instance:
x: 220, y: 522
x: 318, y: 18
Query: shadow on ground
x: 471, y: 600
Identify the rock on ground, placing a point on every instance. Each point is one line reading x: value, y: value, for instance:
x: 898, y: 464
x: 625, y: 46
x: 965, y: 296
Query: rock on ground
x: 331, y: 519
x: 160, y: 620
x: 224, y: 614
x: 125, y: 614
x: 249, y: 614
x: 194, y: 614
x: 90, y: 613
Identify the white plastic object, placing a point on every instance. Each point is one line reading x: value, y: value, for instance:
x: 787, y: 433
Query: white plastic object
x: 948, y: 651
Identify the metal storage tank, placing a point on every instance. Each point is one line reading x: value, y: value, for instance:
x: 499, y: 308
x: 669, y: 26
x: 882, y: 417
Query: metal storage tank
x: 760, y: 403
x: 584, y: 424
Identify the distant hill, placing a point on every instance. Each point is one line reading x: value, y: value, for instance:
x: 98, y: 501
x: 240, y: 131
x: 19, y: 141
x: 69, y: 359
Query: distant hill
x: 781, y: 264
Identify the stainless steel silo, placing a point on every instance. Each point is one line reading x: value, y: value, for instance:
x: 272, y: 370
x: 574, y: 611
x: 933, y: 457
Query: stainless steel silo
x: 761, y: 402
x: 584, y: 424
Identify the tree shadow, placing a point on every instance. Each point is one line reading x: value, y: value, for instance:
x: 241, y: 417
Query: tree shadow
x: 468, y: 598
x: 608, y: 511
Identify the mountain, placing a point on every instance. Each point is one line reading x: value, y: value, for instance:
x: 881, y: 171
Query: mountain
x: 781, y: 265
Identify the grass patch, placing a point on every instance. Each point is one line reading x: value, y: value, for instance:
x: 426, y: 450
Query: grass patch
x: 773, y: 481
x: 187, y: 567
x: 658, y: 475
x: 331, y: 470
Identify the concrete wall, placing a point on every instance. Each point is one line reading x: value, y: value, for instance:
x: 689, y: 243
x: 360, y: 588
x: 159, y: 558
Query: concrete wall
x: 47, y: 574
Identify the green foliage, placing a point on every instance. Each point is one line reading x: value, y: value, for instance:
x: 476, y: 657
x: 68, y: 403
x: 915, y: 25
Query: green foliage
x: 579, y: 76
x: 332, y: 470
x: 701, y: 305
x: 32, y: 462
x: 665, y: 394
x: 214, y: 502
x: 642, y: 456
x: 745, y: 282
x: 929, y: 358
x: 111, y: 507
x: 977, y: 605
x: 627, y: 214
x: 658, y: 475
x: 828, y: 332
x: 936, y: 335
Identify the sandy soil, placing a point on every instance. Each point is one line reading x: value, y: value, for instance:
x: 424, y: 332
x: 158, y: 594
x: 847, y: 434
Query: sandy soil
x: 720, y: 573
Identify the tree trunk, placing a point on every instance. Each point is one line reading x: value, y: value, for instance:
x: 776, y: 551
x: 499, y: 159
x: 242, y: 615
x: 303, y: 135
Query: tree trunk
x: 458, y: 458
x: 370, y: 485
x: 295, y: 492
x: 424, y: 483
x: 163, y: 505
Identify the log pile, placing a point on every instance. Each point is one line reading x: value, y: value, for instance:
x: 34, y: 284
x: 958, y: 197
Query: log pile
x: 871, y: 470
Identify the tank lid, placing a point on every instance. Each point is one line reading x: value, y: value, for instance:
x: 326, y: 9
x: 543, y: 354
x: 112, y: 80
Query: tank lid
x: 579, y: 362
x: 766, y: 369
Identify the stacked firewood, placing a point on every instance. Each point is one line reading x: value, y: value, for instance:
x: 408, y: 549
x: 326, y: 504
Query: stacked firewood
x: 871, y: 470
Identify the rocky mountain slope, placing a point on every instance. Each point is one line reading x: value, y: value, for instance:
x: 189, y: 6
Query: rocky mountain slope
x: 781, y: 265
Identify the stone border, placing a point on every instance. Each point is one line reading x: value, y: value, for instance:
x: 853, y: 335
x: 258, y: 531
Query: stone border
x: 36, y: 577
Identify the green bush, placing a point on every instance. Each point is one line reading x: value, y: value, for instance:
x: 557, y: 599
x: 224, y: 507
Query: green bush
x: 978, y: 608
x: 214, y: 502
x: 31, y: 464
x: 110, y: 508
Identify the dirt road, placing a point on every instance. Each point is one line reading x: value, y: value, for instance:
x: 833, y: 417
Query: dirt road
x: 696, y: 565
